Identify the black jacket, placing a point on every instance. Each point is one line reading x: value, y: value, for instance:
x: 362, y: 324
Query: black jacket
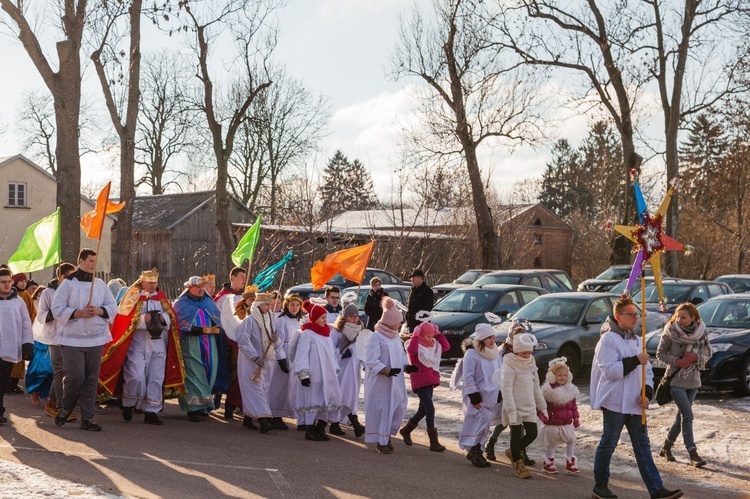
x: 373, y: 307
x: 421, y: 298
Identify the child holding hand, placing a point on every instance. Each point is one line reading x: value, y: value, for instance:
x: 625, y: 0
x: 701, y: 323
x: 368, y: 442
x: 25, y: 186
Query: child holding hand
x: 559, y: 427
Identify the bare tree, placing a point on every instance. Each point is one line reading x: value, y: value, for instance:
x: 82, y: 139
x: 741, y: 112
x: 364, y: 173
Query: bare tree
x: 64, y: 85
x: 124, y: 115
x: 36, y: 122
x: 472, y: 95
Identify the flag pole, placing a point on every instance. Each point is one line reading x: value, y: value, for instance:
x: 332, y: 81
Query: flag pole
x: 93, y: 278
x: 643, y: 341
x: 281, y: 283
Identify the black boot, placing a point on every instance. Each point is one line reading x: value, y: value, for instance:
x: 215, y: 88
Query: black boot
x: 127, y: 413
x: 229, y: 410
x: 320, y: 427
x: 491, y: 449
x: 302, y: 427
x: 663, y: 493
x: 152, y: 418
x: 359, y: 429
x: 279, y: 424
x: 336, y: 430
x: 193, y: 416
x: 248, y: 423
x: 601, y: 491
x: 312, y: 434
x: 265, y: 425
x: 526, y: 460
x: 3, y: 419
x: 695, y: 459
x: 666, y: 451
x: 475, y: 456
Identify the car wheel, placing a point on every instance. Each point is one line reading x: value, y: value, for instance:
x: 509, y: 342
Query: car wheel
x: 744, y: 387
x: 574, y: 360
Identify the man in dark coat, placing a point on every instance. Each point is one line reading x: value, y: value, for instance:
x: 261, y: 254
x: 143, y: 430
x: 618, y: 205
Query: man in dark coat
x: 373, y: 303
x: 421, y: 298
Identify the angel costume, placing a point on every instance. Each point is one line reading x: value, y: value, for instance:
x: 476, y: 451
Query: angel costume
x: 278, y: 397
x: 479, y: 368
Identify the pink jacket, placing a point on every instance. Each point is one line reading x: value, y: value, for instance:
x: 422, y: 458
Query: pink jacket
x: 561, y: 404
x: 425, y: 376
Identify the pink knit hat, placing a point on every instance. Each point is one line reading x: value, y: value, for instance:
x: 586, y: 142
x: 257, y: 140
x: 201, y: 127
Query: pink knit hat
x: 391, y: 315
x: 426, y: 328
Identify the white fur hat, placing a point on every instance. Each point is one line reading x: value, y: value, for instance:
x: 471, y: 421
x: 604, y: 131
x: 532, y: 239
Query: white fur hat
x: 524, y: 342
x: 555, y: 365
x: 484, y: 331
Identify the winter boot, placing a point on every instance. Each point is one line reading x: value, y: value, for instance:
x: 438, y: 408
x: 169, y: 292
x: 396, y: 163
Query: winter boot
x: 490, y: 449
x: 320, y: 427
x: 390, y: 444
x: 666, y: 451
x: 667, y: 494
x: 572, y: 466
x: 526, y: 460
x: 475, y: 456
x: 193, y: 416
x: 695, y: 459
x: 383, y: 449
x: 265, y: 425
x: 127, y: 413
x: 229, y: 410
x: 301, y: 427
x: 247, y: 422
x: 359, y: 429
x: 549, y: 465
x: 335, y: 429
x: 520, y: 469
x: 311, y: 434
x: 152, y: 418
x: 434, y: 443
x: 406, y: 432
x: 3, y: 419
x: 279, y: 424
x: 601, y: 491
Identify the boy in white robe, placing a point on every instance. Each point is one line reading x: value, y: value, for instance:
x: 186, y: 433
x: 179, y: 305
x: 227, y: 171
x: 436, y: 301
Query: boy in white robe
x: 344, y: 335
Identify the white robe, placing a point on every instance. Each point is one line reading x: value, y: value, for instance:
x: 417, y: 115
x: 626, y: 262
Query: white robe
x: 144, y: 368
x: 315, y: 359
x: 73, y: 295
x: 385, y: 396
x: 350, y: 376
x: 249, y: 343
x: 478, y: 377
x: 44, y: 332
x: 15, y: 328
x: 278, y: 395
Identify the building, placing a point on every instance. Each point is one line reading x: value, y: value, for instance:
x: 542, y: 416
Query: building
x: 29, y: 194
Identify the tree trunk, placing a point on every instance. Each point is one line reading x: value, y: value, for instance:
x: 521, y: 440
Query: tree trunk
x: 226, y: 240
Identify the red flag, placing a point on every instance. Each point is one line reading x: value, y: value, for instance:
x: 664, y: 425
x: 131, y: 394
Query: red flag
x: 351, y: 263
x: 92, y: 222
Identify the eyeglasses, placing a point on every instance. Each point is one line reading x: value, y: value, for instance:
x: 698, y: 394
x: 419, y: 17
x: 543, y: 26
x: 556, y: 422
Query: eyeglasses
x: 631, y: 314
x: 334, y: 297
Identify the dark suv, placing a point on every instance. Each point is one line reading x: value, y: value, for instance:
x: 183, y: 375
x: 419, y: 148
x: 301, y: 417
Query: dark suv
x: 466, y: 279
x: 554, y: 281
x: 608, y: 279
x: 306, y: 290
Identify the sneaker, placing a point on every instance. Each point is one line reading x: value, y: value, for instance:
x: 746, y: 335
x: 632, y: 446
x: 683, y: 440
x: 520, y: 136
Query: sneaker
x: 601, y: 491
x: 50, y: 409
x: 549, y: 466
x: 571, y: 466
x: 663, y: 493
x: 62, y: 417
x: 89, y: 425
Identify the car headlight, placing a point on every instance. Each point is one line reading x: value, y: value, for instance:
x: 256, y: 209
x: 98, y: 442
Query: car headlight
x: 541, y: 346
x: 720, y: 347
x: 454, y: 332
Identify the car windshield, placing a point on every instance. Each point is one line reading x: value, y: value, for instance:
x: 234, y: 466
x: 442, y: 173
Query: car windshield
x: 553, y: 311
x: 338, y: 280
x: 738, y: 284
x: 732, y: 314
x: 674, y: 293
x: 467, y: 277
x: 498, y: 279
x: 474, y: 300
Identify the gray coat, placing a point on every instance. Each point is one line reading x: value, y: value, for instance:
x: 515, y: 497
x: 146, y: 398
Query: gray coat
x: 669, y: 351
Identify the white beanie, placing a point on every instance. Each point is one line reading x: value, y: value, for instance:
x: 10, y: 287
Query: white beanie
x: 524, y: 342
x: 484, y: 331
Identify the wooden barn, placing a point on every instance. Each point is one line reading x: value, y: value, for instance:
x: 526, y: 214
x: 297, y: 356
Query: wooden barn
x: 177, y: 234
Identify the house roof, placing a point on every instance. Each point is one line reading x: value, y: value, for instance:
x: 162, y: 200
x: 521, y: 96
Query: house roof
x: 393, y: 232
x: 164, y: 211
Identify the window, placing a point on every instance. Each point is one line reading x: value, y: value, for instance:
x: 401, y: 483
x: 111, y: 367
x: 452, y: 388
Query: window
x: 508, y: 303
x: 554, y: 286
x: 715, y: 290
x: 533, y: 281
x: 598, y: 310
x: 538, y: 221
x: 699, y: 293
x: 16, y: 194
x: 528, y: 295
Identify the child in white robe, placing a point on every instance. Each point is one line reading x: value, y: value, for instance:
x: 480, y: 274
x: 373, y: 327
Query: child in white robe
x: 344, y: 336
x: 279, y: 399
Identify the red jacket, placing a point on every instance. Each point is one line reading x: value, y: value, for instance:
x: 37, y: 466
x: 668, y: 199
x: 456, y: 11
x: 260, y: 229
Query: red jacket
x: 561, y: 404
x: 426, y: 376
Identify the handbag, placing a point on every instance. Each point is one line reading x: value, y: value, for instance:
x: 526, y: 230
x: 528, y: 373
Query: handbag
x: 663, y: 394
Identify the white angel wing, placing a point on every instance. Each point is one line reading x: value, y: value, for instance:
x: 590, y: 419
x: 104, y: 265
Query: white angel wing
x: 316, y: 300
x: 230, y: 322
x: 361, y: 344
x: 457, y: 376
x: 424, y: 316
x: 400, y: 306
x: 492, y: 318
x: 349, y: 297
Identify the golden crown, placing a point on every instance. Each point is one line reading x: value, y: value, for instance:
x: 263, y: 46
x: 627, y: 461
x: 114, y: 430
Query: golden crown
x: 150, y: 275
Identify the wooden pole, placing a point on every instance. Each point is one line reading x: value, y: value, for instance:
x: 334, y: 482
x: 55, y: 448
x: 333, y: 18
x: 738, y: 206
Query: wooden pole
x: 643, y: 342
x: 281, y: 284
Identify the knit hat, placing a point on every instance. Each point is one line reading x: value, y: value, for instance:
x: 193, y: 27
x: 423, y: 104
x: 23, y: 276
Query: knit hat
x: 484, y: 331
x: 426, y: 329
x: 19, y: 277
x: 350, y: 310
x: 263, y: 298
x: 555, y: 365
x: 524, y: 342
x: 315, y: 311
x: 391, y: 314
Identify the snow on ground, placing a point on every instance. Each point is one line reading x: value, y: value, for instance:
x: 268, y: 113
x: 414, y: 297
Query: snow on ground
x: 18, y: 480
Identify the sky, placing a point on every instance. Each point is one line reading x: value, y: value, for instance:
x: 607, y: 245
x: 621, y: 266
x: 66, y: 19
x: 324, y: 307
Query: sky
x: 340, y: 49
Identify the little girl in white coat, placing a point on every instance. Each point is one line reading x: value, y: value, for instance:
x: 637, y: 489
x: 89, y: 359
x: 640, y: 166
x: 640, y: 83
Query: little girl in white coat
x: 344, y: 335
x: 480, y: 392
x: 560, y: 427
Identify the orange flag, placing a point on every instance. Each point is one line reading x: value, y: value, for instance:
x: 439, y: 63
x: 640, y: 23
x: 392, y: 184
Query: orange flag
x: 92, y: 222
x: 351, y: 263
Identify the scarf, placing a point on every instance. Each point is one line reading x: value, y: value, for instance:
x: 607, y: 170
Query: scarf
x: 324, y: 330
x: 489, y: 353
x: 426, y: 342
x: 696, y: 341
x: 429, y: 356
x: 385, y: 330
x: 518, y: 363
x: 81, y: 276
x: 350, y: 332
x: 267, y: 334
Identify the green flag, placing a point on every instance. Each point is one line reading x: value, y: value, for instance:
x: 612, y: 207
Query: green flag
x: 246, y: 246
x: 40, y: 246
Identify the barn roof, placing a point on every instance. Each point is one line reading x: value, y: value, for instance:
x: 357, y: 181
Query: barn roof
x: 164, y: 211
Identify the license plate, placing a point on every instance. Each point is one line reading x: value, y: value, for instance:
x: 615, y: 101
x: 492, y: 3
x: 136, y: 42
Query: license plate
x: 657, y: 363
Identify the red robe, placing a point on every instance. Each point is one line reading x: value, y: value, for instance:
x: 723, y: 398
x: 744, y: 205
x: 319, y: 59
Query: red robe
x: 116, y: 351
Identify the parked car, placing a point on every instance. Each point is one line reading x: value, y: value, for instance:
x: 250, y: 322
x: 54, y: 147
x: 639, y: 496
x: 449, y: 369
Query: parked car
x: 398, y: 292
x: 610, y: 278
x: 465, y: 279
x: 678, y: 291
x: 461, y: 310
x: 619, y: 288
x: 554, y: 281
x: 727, y: 319
x: 306, y: 290
x: 740, y: 283
x: 567, y: 324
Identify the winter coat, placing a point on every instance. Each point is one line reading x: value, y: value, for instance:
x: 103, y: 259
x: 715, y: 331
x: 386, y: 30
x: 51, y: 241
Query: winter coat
x: 669, y: 351
x: 522, y: 396
x: 426, y: 376
x: 562, y: 407
x: 373, y: 307
x: 421, y: 298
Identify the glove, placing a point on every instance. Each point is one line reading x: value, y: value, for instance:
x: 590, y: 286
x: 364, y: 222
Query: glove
x: 196, y: 331
x: 576, y: 423
x: 27, y: 351
x: 475, y: 398
x: 691, y: 357
x: 347, y: 353
x: 283, y: 366
x: 394, y: 371
x: 411, y: 369
x: 258, y: 361
x: 305, y: 382
x: 683, y: 363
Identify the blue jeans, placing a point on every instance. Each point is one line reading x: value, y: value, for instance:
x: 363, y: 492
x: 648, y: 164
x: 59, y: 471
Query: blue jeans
x: 684, y: 398
x: 613, y: 425
x: 426, y: 407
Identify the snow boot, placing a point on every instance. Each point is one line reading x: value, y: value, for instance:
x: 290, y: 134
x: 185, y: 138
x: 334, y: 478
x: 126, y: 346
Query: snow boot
x: 666, y: 451
x: 405, y: 432
x: 434, y: 443
x: 520, y: 469
x: 359, y: 429
x: 475, y: 456
x: 490, y: 449
x: 320, y: 428
x: 695, y: 459
x: 335, y: 429
x: 601, y: 491
x: 549, y: 465
x: 571, y: 466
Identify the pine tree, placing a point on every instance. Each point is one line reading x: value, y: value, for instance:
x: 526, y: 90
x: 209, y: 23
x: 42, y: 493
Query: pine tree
x: 359, y: 191
x: 702, y: 154
x: 334, y: 184
x: 556, y: 192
